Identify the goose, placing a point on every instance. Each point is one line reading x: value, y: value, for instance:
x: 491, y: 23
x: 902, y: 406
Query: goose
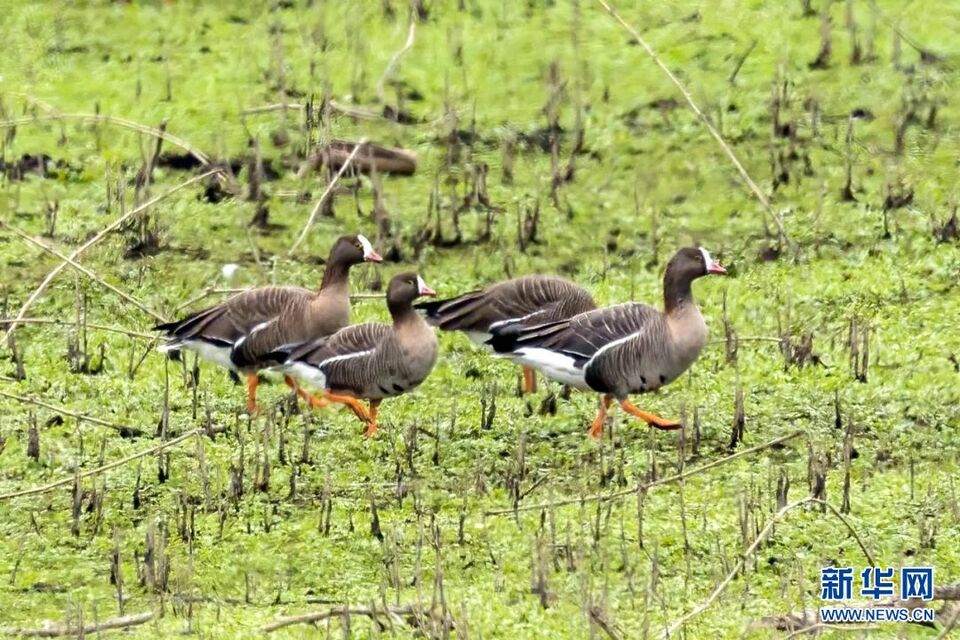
x: 520, y: 302
x: 238, y: 332
x: 623, y: 349
x: 370, y: 361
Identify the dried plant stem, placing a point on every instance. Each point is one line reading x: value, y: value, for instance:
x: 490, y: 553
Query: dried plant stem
x: 706, y: 122
x: 346, y: 110
x: 121, y: 122
x: 649, y: 485
x: 97, y: 238
x: 88, y: 325
x: 107, y: 467
x: 393, y: 613
x: 741, y: 563
x: 68, y: 412
x: 411, y: 38
x: 326, y: 192
x: 87, y: 630
x: 82, y: 269
x: 822, y: 626
x: 949, y: 626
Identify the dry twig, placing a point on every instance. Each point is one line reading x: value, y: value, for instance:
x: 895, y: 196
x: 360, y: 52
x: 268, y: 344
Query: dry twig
x: 82, y: 269
x: 326, y: 192
x: 411, y: 38
x: 643, y: 486
x: 97, y: 238
x: 73, y: 414
x: 89, y: 629
x: 309, y: 618
x: 741, y: 562
x: 107, y: 467
x: 122, y: 122
x: 767, y: 208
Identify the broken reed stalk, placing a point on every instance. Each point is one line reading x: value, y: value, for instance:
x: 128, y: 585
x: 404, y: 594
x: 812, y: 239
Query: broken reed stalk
x: 87, y: 630
x: 823, y: 626
x: 326, y: 192
x: 88, y: 325
x: 393, y: 613
x: 644, y: 486
x: 82, y: 269
x: 122, y: 122
x: 107, y: 467
x: 767, y: 208
x: 741, y: 562
x: 411, y: 38
x: 73, y: 414
x: 342, y: 109
x: 98, y: 237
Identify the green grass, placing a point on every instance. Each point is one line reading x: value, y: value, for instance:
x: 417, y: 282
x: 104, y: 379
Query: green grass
x: 644, y: 170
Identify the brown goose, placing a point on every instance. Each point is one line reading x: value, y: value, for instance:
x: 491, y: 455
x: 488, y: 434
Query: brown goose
x: 624, y: 349
x: 371, y: 361
x: 238, y: 332
x: 521, y: 302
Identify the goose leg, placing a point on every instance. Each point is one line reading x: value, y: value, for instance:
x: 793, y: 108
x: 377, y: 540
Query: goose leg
x: 650, y: 418
x: 312, y: 400
x: 529, y: 380
x: 596, y: 427
x: 253, y: 381
x: 358, y: 409
x: 372, y: 425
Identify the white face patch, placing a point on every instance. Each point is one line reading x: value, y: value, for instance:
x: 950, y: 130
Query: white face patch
x: 707, y: 260
x: 421, y: 286
x: 367, y: 247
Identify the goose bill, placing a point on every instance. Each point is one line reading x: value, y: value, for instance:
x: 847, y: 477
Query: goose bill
x: 423, y: 289
x: 368, y: 253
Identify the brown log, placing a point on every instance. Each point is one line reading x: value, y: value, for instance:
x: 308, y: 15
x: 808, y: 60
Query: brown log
x: 371, y: 158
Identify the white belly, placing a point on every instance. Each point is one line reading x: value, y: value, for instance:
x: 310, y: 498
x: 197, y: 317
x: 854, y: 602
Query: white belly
x: 555, y: 366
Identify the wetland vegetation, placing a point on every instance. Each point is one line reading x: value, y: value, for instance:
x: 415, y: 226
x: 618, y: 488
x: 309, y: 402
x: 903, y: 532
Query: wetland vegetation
x: 188, y: 143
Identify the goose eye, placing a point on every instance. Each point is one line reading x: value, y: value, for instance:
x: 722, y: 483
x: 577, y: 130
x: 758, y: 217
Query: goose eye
x: 357, y: 244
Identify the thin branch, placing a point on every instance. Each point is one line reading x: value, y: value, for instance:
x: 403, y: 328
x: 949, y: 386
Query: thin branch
x: 948, y: 628
x: 52, y: 632
x: 95, y: 239
x: 823, y: 626
x: 741, y: 562
x: 326, y: 192
x: 310, y: 618
x: 107, y: 467
x: 706, y: 122
x: 122, y: 122
x: 73, y: 414
x: 342, y: 109
x: 89, y: 325
x: 82, y: 269
x: 643, y: 486
x: 411, y: 38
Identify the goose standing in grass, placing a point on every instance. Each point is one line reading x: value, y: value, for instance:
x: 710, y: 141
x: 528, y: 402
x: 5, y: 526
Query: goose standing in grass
x: 521, y: 302
x: 370, y: 361
x: 623, y: 349
x: 238, y: 332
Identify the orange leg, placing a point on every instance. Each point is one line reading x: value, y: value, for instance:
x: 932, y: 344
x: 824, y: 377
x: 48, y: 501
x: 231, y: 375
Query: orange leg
x: 596, y: 427
x: 529, y: 380
x: 252, y: 383
x: 358, y: 409
x: 372, y: 425
x: 312, y: 400
x: 650, y: 418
